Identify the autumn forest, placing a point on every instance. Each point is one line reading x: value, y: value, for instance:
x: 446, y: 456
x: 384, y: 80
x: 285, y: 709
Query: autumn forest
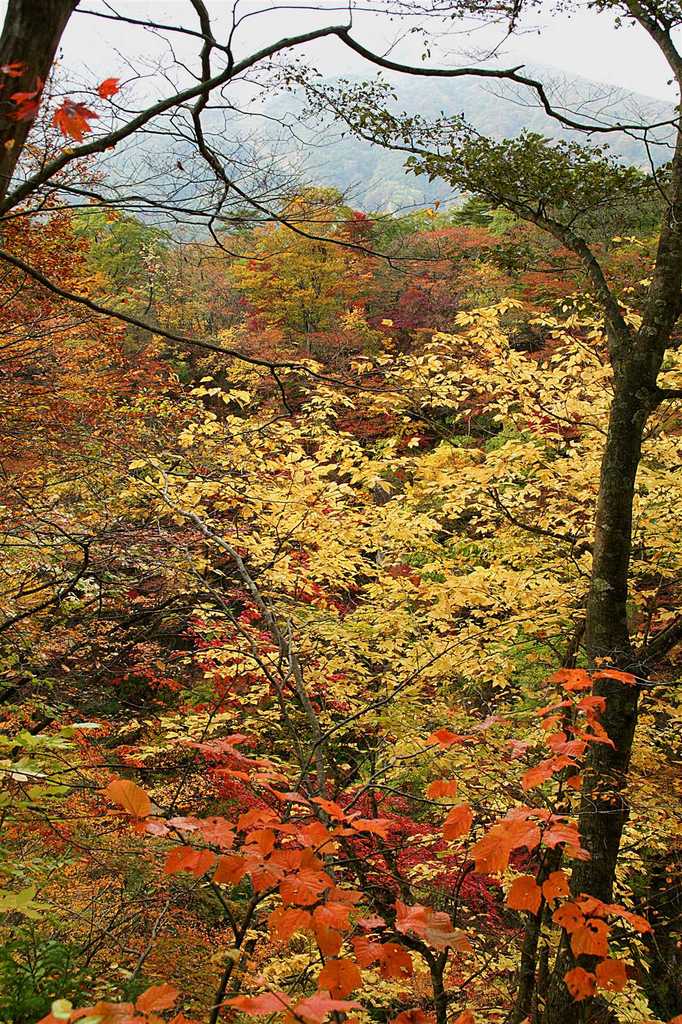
x: 340, y: 546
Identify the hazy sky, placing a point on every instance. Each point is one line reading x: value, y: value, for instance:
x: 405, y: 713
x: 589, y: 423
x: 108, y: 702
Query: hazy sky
x: 586, y: 44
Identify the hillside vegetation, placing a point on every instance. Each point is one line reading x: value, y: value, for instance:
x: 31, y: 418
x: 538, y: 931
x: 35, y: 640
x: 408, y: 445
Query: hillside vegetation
x: 340, y: 545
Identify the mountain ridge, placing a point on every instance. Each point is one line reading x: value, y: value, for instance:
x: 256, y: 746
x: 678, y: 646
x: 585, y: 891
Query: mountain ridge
x: 378, y: 176
x: 275, y: 148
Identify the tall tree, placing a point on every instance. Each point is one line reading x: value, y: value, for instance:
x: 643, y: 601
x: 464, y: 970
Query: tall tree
x: 563, y: 188
x: 300, y: 285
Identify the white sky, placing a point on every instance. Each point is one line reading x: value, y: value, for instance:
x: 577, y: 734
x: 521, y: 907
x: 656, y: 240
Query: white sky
x: 585, y: 44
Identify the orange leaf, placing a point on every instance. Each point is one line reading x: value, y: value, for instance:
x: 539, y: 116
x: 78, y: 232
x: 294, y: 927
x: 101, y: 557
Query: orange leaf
x: 130, y: 797
x: 572, y: 679
x: 377, y: 826
x: 340, y: 977
x: 158, y: 997
x: 230, y: 870
x: 256, y: 816
x: 108, y: 88
x: 371, y: 922
x: 560, y: 745
x: 186, y: 858
x: 110, y: 1013
x: 316, y: 834
x: 267, y: 1002
x: 73, y: 119
x: 580, y: 983
x: 433, y: 925
x: 465, y: 1018
x: 285, y: 921
x: 518, y: 748
x: 216, y: 831
x: 544, y: 771
x: 396, y: 962
x: 636, y: 921
x: 316, y: 1008
x: 561, y: 832
x: 415, y: 1016
x: 568, y: 917
x: 304, y: 888
x: 262, y: 875
x: 622, y: 677
x: 525, y: 894
x: 591, y: 938
x: 262, y: 838
x: 458, y: 822
x: 597, y: 734
x: 591, y: 705
x: 332, y: 809
x: 441, y: 787
x: 491, y: 853
x: 366, y: 951
x: 555, y: 886
x: 328, y: 939
x: 334, y: 915
x: 592, y: 907
x: 446, y: 738
x: 611, y: 975
x: 27, y: 103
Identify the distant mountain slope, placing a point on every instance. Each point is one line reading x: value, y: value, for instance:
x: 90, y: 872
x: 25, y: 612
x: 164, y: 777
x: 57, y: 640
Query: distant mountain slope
x: 272, y: 145
x: 376, y: 177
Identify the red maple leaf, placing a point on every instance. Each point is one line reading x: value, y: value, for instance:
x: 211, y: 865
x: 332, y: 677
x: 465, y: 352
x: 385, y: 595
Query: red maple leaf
x: 108, y: 88
x: 27, y: 103
x: 458, y: 822
x: 72, y: 119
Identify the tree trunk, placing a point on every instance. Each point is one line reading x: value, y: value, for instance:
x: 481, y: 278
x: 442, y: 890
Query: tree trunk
x: 636, y: 359
x: 604, y: 807
x: 30, y: 37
